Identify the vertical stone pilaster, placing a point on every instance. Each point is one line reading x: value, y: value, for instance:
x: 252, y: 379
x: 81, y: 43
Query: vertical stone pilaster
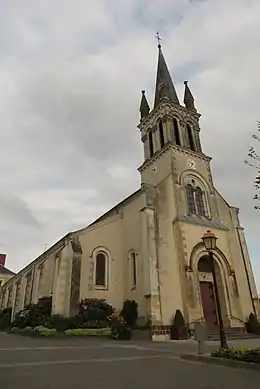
x: 36, y: 281
x: 61, y: 293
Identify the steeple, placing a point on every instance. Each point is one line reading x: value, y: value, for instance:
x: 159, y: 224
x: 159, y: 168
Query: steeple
x: 144, y: 106
x: 188, y: 97
x: 164, y: 85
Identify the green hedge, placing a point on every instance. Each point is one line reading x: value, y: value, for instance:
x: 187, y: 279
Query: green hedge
x: 43, y: 331
x: 37, y: 331
x: 239, y: 354
x: 89, y: 332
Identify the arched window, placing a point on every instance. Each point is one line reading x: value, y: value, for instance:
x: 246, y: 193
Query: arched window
x: 133, y: 270
x: 190, y: 137
x: 176, y: 132
x: 150, y: 137
x: 101, y: 269
x: 199, y: 202
x: 205, y: 264
x: 190, y: 200
x: 161, y: 134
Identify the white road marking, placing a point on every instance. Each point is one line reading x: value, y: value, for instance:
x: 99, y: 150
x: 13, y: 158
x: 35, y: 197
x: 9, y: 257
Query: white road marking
x: 83, y: 361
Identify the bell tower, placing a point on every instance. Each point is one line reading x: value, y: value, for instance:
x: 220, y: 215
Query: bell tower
x: 168, y: 123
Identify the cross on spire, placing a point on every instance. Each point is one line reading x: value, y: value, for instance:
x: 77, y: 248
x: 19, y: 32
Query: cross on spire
x: 158, y: 39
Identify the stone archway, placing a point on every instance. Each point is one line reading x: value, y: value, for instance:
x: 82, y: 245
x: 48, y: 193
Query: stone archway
x: 207, y: 294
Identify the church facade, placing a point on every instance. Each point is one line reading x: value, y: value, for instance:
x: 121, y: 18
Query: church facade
x: 148, y: 247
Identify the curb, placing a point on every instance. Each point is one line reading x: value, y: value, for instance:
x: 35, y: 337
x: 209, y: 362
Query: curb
x: 221, y: 361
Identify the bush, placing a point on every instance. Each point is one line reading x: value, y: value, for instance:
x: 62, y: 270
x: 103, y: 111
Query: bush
x: 253, y: 325
x: 32, y: 315
x: 44, y: 331
x: 5, y: 318
x: 130, y: 312
x: 94, y: 310
x: 240, y: 354
x: 119, y: 328
x: 14, y: 330
x: 178, y: 328
x: 59, y: 322
x: 89, y: 332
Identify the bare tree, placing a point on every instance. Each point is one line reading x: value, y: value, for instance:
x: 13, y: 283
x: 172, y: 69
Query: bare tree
x: 255, y: 163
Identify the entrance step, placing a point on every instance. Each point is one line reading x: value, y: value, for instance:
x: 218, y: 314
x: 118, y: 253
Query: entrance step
x: 232, y: 333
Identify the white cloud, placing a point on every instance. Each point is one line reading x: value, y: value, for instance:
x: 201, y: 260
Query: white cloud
x: 70, y: 81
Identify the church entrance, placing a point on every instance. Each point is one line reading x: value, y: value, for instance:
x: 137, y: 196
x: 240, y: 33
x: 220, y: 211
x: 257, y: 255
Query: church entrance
x: 208, y: 303
x: 207, y: 292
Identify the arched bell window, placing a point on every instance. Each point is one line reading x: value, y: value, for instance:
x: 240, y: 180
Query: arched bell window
x: 176, y: 132
x: 161, y: 134
x: 190, y: 137
x: 150, y: 140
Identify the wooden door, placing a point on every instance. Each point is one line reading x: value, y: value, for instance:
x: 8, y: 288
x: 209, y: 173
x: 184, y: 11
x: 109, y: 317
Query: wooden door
x: 208, y: 303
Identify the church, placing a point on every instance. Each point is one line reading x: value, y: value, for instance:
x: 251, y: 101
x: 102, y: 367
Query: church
x: 148, y: 248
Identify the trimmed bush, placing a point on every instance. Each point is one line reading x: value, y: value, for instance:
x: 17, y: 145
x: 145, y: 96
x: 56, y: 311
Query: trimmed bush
x: 59, y: 322
x: 44, y: 331
x: 5, y: 318
x: 89, y: 332
x: 253, y: 325
x: 94, y: 310
x: 240, y: 354
x: 119, y: 328
x: 178, y: 328
x: 130, y: 312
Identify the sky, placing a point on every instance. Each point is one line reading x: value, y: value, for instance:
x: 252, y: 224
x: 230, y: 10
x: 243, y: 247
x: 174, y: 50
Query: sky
x: 71, y: 73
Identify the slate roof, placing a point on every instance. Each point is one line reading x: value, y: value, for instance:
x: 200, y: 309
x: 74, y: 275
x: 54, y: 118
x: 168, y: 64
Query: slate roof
x: 201, y: 220
x: 5, y: 271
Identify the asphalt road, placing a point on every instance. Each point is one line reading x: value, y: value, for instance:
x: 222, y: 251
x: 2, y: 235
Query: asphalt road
x: 93, y: 363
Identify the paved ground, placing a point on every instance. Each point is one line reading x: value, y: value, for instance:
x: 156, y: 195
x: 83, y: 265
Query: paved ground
x: 93, y: 363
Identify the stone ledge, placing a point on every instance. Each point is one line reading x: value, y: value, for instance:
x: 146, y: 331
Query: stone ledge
x: 221, y: 361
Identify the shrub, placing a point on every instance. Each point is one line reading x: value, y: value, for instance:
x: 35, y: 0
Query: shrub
x: 178, y: 328
x: 88, y: 332
x: 59, y: 322
x: 253, y: 325
x: 32, y: 315
x: 130, y: 312
x: 95, y: 310
x: 14, y: 330
x: 119, y: 328
x: 5, y: 318
x: 240, y: 354
x: 44, y: 331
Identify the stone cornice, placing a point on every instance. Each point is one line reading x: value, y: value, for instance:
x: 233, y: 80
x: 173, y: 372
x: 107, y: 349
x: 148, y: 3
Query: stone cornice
x: 168, y: 147
x: 169, y: 109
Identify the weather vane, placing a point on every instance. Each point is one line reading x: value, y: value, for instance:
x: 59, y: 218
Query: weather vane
x: 158, y: 39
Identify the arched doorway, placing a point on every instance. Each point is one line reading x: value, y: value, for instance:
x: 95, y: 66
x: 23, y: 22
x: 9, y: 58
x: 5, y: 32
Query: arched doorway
x: 207, y: 293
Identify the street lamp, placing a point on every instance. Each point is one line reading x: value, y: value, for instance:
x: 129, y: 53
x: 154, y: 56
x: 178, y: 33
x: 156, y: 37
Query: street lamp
x: 209, y: 240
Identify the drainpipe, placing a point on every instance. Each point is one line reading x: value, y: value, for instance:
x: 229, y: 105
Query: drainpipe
x: 247, y: 276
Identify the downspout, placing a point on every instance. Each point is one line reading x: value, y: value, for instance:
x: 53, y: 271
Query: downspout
x: 247, y: 276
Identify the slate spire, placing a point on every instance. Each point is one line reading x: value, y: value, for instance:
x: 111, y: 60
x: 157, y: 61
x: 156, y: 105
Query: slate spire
x: 164, y: 85
x: 144, y: 106
x: 188, y: 97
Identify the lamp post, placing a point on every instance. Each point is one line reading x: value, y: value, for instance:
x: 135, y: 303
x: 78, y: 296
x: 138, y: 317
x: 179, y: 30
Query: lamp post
x: 209, y: 240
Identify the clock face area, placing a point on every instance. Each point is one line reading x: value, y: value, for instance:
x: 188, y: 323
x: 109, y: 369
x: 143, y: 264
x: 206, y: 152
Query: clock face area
x: 191, y: 164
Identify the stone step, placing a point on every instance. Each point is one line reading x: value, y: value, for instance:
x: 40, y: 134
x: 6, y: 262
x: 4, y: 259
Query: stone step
x: 231, y: 333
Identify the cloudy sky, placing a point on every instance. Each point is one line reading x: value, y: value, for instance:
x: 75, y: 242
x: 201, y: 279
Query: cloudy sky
x: 70, y: 79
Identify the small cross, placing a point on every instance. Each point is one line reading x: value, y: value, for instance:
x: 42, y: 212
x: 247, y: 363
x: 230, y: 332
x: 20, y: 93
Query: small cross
x: 158, y: 39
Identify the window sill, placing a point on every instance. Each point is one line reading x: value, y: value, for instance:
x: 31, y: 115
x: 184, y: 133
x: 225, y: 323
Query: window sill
x: 100, y: 287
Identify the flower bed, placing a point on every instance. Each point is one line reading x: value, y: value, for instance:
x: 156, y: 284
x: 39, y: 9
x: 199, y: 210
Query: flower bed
x: 88, y: 332
x: 37, y: 331
x: 239, y: 354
